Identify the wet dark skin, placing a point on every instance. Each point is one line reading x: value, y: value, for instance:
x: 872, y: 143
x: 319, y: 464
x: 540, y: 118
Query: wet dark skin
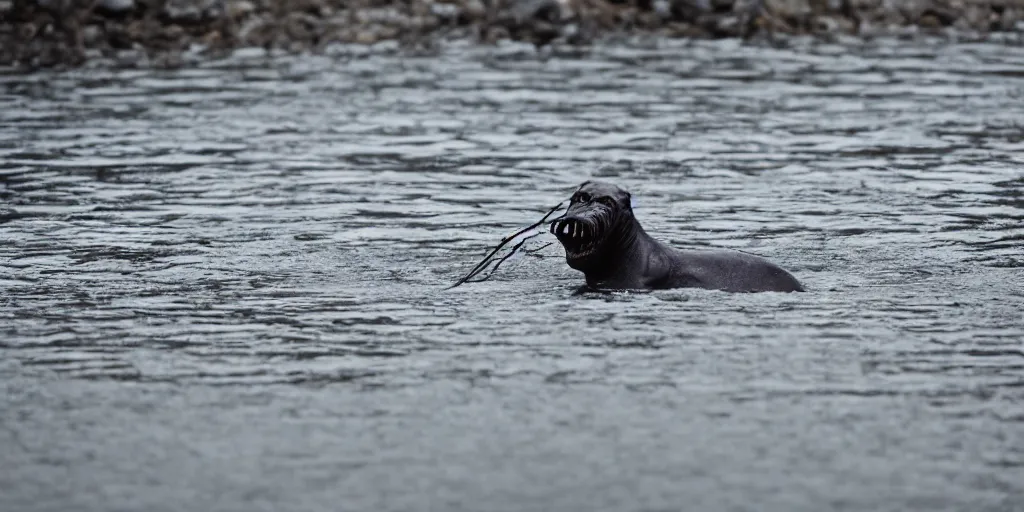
x: 604, y: 240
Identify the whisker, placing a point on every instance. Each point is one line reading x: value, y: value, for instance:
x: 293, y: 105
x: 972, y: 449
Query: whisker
x: 480, y: 267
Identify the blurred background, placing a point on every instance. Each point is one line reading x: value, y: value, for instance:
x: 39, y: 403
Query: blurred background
x: 166, y: 33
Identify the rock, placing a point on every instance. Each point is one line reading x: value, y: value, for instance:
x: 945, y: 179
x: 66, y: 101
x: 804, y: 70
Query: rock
x: 173, y: 37
x: 194, y: 50
x: 118, y: 36
x: 366, y: 37
x: 571, y: 32
x: 383, y: 16
x: 978, y: 17
x: 240, y: 8
x: 474, y: 10
x: 496, y: 33
x: 424, y: 23
x: 825, y: 25
x: 728, y: 26
x: 387, y: 33
x: 92, y: 35
x: 314, y: 7
x: 191, y: 11
x: 663, y: 8
x: 116, y: 6
x: 212, y: 39
x: 54, y: 5
x: 944, y: 15
x: 536, y: 21
x: 93, y: 53
x: 901, y: 11
x: 864, y: 6
x: 182, y: 12
x: 961, y: 25
x: 722, y: 5
x: 690, y: 10
x: 257, y: 32
x: 833, y: 25
x: 132, y: 58
x: 445, y: 12
x: 789, y: 10
x: 525, y: 11
x: 1009, y: 19
x: 301, y: 26
x: 27, y: 31
x: 168, y: 61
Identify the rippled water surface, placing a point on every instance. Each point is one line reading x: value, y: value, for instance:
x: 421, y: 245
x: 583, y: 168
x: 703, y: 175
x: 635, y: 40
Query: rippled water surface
x: 223, y: 288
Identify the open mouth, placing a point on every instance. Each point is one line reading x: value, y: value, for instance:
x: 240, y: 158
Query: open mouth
x: 579, y: 238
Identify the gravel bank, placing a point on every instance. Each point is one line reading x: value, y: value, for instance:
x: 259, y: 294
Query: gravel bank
x: 38, y: 33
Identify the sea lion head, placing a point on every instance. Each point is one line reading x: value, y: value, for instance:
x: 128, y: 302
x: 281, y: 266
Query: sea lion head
x: 599, y: 221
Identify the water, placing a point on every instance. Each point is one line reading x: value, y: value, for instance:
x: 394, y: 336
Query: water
x: 223, y: 288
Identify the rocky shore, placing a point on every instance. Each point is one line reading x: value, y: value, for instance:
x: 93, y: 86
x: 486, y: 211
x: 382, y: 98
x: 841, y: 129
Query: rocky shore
x: 39, y: 33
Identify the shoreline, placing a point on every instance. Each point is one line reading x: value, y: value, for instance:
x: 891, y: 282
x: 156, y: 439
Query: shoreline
x: 63, y: 33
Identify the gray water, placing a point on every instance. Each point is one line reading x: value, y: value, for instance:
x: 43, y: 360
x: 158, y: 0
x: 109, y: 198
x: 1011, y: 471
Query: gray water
x: 223, y: 287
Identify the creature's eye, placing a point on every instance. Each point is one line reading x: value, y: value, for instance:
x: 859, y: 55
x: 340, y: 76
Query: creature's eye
x: 581, y: 197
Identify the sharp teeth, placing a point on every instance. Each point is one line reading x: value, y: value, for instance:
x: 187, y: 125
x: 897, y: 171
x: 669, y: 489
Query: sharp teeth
x: 565, y: 228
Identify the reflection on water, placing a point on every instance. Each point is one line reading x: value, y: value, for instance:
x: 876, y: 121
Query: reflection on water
x: 224, y: 287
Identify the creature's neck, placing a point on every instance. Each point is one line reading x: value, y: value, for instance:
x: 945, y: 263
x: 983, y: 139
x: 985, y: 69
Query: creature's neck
x: 626, y: 266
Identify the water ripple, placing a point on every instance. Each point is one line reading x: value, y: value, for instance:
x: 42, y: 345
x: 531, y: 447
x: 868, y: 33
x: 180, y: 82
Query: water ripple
x: 261, y: 246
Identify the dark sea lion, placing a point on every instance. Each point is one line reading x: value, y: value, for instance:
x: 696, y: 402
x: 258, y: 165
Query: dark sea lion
x: 603, y: 240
